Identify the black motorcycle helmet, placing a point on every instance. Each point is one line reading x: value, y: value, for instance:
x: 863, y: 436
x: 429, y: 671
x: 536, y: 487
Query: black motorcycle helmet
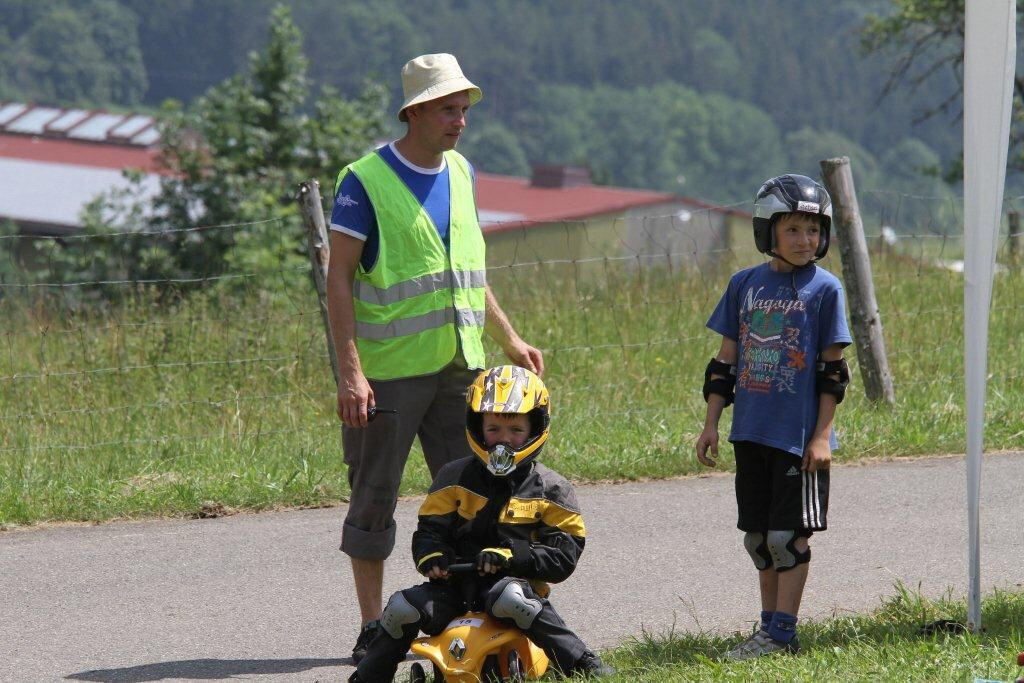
x: 790, y: 193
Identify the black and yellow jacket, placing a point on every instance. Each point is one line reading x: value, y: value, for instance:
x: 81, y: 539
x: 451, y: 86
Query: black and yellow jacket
x: 532, y: 512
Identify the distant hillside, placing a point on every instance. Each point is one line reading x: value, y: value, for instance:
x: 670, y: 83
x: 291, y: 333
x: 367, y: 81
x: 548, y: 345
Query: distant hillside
x: 703, y: 98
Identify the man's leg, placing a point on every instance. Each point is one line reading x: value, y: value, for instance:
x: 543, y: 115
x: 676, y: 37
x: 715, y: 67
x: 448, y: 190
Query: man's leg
x: 443, y: 431
x: 376, y: 456
x: 368, y: 576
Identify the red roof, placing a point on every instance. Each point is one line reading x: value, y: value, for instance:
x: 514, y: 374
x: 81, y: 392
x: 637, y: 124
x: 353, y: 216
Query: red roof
x: 526, y: 204
x: 505, y: 202
x: 79, y: 152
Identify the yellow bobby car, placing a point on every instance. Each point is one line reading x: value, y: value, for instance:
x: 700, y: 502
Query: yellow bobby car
x: 475, y: 648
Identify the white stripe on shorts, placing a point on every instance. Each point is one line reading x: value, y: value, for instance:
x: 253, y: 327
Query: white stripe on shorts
x: 811, y: 502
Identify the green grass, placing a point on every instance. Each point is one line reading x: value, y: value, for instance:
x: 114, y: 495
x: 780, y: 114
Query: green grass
x: 146, y: 409
x: 887, y: 645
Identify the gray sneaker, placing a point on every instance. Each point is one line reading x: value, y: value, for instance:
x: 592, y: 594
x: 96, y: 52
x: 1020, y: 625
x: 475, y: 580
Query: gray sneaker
x: 761, y: 644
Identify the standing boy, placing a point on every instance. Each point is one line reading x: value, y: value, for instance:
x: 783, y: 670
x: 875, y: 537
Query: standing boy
x: 783, y: 328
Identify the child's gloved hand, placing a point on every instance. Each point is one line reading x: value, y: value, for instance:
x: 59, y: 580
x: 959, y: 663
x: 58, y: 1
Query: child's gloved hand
x: 434, y: 567
x: 493, y: 560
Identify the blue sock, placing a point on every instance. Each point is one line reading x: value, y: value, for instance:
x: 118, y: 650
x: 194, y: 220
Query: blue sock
x: 766, y: 619
x: 783, y: 627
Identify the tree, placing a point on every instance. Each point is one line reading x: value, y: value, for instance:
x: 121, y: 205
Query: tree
x: 717, y: 67
x: 236, y: 156
x: 87, y: 53
x: 927, y: 38
x: 667, y: 137
x: 748, y: 146
x: 923, y: 201
x: 190, y: 45
x: 910, y: 165
x: 492, y: 147
x: 239, y: 152
x: 389, y: 34
x: 809, y: 146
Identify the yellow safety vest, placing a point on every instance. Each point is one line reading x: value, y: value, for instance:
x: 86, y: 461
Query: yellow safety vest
x: 418, y: 295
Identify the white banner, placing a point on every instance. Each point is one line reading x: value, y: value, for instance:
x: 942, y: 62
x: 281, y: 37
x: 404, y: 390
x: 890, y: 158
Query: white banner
x: 989, y: 58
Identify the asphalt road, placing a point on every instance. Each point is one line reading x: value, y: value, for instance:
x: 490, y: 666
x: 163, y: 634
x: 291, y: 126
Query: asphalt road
x: 268, y: 597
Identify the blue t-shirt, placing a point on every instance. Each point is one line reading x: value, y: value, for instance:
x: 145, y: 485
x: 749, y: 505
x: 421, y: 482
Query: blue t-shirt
x: 353, y: 214
x: 781, y: 321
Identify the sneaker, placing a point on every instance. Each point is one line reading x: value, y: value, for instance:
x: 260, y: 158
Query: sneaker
x: 591, y: 666
x: 761, y: 644
x: 366, y: 636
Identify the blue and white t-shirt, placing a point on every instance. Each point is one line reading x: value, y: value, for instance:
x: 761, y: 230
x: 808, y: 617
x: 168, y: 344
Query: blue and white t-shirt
x: 353, y: 214
x: 781, y: 321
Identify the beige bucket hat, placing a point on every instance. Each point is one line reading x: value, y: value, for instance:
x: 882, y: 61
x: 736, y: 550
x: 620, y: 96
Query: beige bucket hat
x: 429, y: 77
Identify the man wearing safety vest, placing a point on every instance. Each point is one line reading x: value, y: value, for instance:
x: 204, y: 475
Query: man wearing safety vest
x: 408, y: 301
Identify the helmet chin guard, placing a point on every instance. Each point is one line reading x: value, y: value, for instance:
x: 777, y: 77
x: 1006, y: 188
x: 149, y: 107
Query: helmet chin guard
x: 502, y: 459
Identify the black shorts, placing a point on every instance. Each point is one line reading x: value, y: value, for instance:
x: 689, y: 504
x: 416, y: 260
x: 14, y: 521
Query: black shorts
x: 772, y: 492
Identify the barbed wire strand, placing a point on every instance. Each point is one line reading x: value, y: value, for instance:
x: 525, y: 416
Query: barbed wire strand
x: 143, y: 233
x: 639, y: 253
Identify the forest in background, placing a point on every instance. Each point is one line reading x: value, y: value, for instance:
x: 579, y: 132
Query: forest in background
x: 702, y: 99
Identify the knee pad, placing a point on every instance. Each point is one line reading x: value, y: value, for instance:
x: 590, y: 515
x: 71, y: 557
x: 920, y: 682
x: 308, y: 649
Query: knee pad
x: 782, y: 546
x: 397, y: 615
x: 756, y: 547
x: 513, y: 604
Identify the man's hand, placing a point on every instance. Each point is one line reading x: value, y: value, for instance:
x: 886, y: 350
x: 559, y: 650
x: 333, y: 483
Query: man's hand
x: 525, y: 356
x: 493, y: 560
x: 355, y: 397
x: 817, y: 455
x: 708, y: 440
x: 435, y: 567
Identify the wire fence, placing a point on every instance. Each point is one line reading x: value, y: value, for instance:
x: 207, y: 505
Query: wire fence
x: 617, y: 304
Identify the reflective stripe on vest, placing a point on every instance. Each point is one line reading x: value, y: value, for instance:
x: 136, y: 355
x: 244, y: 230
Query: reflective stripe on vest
x: 420, y: 323
x: 420, y: 302
x: 431, y: 282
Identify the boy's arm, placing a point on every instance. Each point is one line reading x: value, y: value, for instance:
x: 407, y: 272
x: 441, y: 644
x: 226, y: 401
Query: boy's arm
x: 728, y: 353
x: 818, y: 454
x: 432, y: 546
x: 561, y: 537
x: 551, y: 558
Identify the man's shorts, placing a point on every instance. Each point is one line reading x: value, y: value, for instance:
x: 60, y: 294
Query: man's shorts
x: 772, y: 492
x: 433, y: 408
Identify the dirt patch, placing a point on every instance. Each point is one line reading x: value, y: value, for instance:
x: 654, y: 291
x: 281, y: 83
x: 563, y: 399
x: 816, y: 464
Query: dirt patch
x: 211, y: 509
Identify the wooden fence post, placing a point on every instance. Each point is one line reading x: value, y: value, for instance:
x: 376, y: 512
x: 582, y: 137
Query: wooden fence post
x: 1015, y: 236
x: 867, y: 320
x: 319, y: 251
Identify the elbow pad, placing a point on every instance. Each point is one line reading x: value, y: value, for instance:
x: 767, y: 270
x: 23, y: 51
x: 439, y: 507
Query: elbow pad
x: 723, y: 386
x: 827, y: 385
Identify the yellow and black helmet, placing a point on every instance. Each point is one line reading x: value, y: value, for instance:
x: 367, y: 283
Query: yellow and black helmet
x: 507, y: 390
